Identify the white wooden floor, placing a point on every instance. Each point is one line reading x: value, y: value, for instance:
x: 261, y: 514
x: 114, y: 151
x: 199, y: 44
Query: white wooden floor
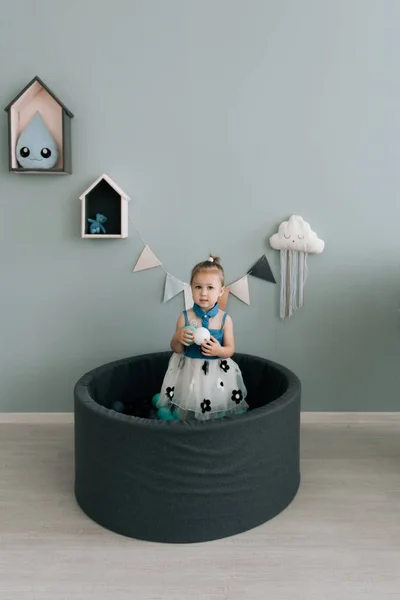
x: 339, y: 539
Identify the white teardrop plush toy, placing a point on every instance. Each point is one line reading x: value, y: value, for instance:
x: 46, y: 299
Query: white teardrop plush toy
x: 201, y: 335
x: 36, y: 147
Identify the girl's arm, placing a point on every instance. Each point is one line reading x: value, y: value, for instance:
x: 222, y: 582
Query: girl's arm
x: 178, y: 337
x: 228, y: 347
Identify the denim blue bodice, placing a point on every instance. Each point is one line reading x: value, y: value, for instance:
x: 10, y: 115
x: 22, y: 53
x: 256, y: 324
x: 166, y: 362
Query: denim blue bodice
x: 194, y: 351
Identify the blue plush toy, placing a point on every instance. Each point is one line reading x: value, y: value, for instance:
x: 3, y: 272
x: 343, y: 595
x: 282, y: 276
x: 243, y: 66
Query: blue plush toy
x: 164, y: 412
x: 96, y: 224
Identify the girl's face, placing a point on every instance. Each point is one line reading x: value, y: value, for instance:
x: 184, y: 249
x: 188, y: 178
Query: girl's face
x: 207, y: 289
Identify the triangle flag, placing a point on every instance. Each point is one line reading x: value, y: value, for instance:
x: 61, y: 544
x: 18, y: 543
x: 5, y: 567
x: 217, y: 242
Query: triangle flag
x: 188, y: 296
x: 223, y: 301
x: 147, y: 260
x: 262, y: 270
x: 240, y: 289
x: 173, y: 286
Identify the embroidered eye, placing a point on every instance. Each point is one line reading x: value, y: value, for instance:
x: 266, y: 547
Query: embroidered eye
x: 45, y: 152
x: 301, y: 237
x: 286, y: 236
x: 24, y: 152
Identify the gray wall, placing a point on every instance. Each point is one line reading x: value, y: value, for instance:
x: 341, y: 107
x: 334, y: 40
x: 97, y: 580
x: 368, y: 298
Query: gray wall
x: 220, y: 118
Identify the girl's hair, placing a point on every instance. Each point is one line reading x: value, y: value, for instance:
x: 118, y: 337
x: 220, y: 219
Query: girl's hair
x: 211, y: 264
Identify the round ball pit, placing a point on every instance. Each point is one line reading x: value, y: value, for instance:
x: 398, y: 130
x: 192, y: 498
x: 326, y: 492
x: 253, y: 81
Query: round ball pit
x: 184, y: 481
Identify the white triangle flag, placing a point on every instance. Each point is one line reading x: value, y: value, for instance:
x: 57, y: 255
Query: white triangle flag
x: 147, y: 260
x: 240, y: 289
x: 188, y: 296
x: 173, y: 286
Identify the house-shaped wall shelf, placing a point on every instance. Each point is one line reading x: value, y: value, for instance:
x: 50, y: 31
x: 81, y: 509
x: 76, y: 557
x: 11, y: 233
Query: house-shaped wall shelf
x: 45, y: 125
x: 106, y: 198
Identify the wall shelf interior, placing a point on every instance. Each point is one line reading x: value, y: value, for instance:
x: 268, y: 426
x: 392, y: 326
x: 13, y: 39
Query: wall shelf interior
x: 37, y: 98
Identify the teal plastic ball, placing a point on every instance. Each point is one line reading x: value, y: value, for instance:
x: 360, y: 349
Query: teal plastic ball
x: 155, y: 399
x: 193, y: 329
x: 164, y: 414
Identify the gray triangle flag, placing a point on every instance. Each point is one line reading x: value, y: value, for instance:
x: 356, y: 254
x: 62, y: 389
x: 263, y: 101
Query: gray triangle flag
x: 173, y: 286
x: 262, y: 270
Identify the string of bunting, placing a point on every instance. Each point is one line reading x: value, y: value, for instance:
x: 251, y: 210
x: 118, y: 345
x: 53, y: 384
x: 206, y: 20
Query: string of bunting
x: 174, y: 286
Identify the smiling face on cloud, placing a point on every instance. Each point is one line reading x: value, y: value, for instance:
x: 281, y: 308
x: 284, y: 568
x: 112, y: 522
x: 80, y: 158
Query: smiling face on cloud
x: 36, y: 148
x: 296, y: 234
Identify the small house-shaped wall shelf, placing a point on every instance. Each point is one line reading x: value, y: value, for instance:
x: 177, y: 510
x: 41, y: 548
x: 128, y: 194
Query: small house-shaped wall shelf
x: 104, y: 197
x: 39, y: 132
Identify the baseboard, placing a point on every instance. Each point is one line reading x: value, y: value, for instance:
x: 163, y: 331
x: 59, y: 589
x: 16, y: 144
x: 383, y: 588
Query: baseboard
x: 306, y: 417
x: 37, y: 418
x: 350, y: 417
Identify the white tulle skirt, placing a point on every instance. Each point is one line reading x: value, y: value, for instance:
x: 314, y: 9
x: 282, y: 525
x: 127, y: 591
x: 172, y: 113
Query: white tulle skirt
x: 203, y: 389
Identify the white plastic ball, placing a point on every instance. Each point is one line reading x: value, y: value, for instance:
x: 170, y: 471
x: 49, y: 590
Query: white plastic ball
x: 201, y: 335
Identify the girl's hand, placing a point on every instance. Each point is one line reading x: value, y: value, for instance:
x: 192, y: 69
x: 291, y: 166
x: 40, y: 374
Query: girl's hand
x: 211, y: 347
x: 184, y: 336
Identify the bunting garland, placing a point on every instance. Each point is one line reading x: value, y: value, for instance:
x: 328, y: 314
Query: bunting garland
x: 240, y: 289
x: 174, y: 286
x: 223, y: 301
x: 147, y: 260
x: 262, y: 270
x: 188, y: 296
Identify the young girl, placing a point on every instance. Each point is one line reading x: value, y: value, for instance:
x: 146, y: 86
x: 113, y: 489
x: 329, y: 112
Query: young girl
x: 203, y: 382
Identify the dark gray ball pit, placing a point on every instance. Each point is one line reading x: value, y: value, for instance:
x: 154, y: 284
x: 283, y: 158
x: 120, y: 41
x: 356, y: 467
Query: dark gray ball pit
x: 177, y: 481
